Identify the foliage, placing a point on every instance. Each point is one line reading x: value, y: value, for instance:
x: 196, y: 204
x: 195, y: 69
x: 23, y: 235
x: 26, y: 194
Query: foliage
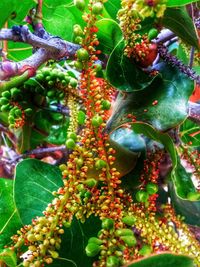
x: 110, y: 115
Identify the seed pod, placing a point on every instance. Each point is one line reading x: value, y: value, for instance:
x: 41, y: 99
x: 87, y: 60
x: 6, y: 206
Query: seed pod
x: 92, y: 249
x: 130, y: 241
x: 54, y: 254
x: 129, y: 220
x: 124, y: 232
x: 112, y: 261
x: 80, y: 4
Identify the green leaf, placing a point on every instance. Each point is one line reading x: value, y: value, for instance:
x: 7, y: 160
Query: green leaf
x: 171, y: 91
x: 22, y: 10
x: 109, y: 35
x: 59, y: 21
x: 33, y: 186
x: 179, y: 21
x: 112, y: 7
x: 6, y: 7
x: 173, y: 3
x: 74, y: 242
x: 10, y: 220
x: 57, y: 134
x: 8, y: 257
x: 123, y: 73
x: 190, y: 133
x: 164, y: 260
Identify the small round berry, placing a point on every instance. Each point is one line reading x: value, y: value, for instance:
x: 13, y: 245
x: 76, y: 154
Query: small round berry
x: 70, y: 143
x: 97, y: 8
x: 82, y: 54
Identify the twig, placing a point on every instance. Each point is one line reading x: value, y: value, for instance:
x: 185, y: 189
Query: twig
x: 174, y: 61
x: 194, y: 112
x: 38, y: 151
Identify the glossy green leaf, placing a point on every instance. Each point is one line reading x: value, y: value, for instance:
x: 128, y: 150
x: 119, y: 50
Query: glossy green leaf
x: 33, y: 186
x: 173, y: 3
x: 179, y: 21
x: 163, y: 260
x: 124, y: 74
x: 6, y: 9
x: 10, y: 220
x: 59, y: 21
x: 22, y: 10
x: 163, y: 103
x: 112, y: 7
x: 109, y: 35
x: 8, y: 257
x: 190, y: 133
x: 74, y: 241
x: 57, y: 134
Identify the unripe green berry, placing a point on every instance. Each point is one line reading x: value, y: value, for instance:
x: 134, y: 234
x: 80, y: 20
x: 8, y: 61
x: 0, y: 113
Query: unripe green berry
x: 80, y: 4
x: 6, y: 94
x: 124, y: 232
x: 95, y: 240
x: 28, y: 111
x: 106, y: 104
x: 82, y: 54
x: 107, y: 224
x: 70, y: 144
x: 142, y: 196
x: 77, y: 30
x: 92, y: 249
x: 3, y: 100
x: 112, y: 261
x: 97, y: 121
x: 153, y: 33
x: 145, y: 250
x: 151, y: 188
x: 73, y: 82
x: 5, y: 107
x: 100, y: 164
x: 129, y: 220
x: 72, y: 135
x: 91, y: 182
x: 81, y: 117
x: 97, y: 8
x: 130, y: 241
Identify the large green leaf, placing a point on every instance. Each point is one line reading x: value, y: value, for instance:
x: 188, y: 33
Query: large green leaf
x: 8, y: 257
x: 190, y: 133
x: 179, y: 21
x: 10, y: 220
x: 164, y: 260
x: 74, y: 242
x: 171, y: 93
x: 6, y: 9
x: 123, y: 73
x: 33, y: 186
x: 173, y: 3
x: 109, y: 35
x: 112, y: 7
x: 22, y: 9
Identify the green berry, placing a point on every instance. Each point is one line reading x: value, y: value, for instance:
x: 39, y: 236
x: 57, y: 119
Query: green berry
x: 92, y: 249
x: 77, y: 30
x: 95, y: 240
x: 97, y: 8
x: 51, y: 93
x: 153, y: 33
x: 100, y: 164
x: 78, y: 40
x: 151, y: 188
x: 4, y: 100
x: 73, y: 82
x: 31, y: 237
x: 82, y: 54
x: 80, y: 4
x: 129, y: 220
x: 54, y: 254
x: 28, y: 111
x: 6, y: 94
x: 106, y: 104
x: 50, y: 83
x: 107, y: 224
x: 15, y: 92
x: 91, y: 182
x: 142, y: 196
x: 112, y: 261
x: 5, y: 107
x: 39, y: 77
x: 97, y: 121
x: 130, y: 241
x: 78, y: 65
x: 72, y: 135
x: 70, y: 143
x: 88, y: 194
x: 124, y: 232
x: 63, y: 167
x: 18, y: 112
x: 79, y: 162
x: 81, y: 117
x: 145, y: 250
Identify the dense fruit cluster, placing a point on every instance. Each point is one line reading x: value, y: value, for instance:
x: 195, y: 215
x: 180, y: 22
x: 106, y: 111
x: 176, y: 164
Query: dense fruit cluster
x: 150, y: 8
